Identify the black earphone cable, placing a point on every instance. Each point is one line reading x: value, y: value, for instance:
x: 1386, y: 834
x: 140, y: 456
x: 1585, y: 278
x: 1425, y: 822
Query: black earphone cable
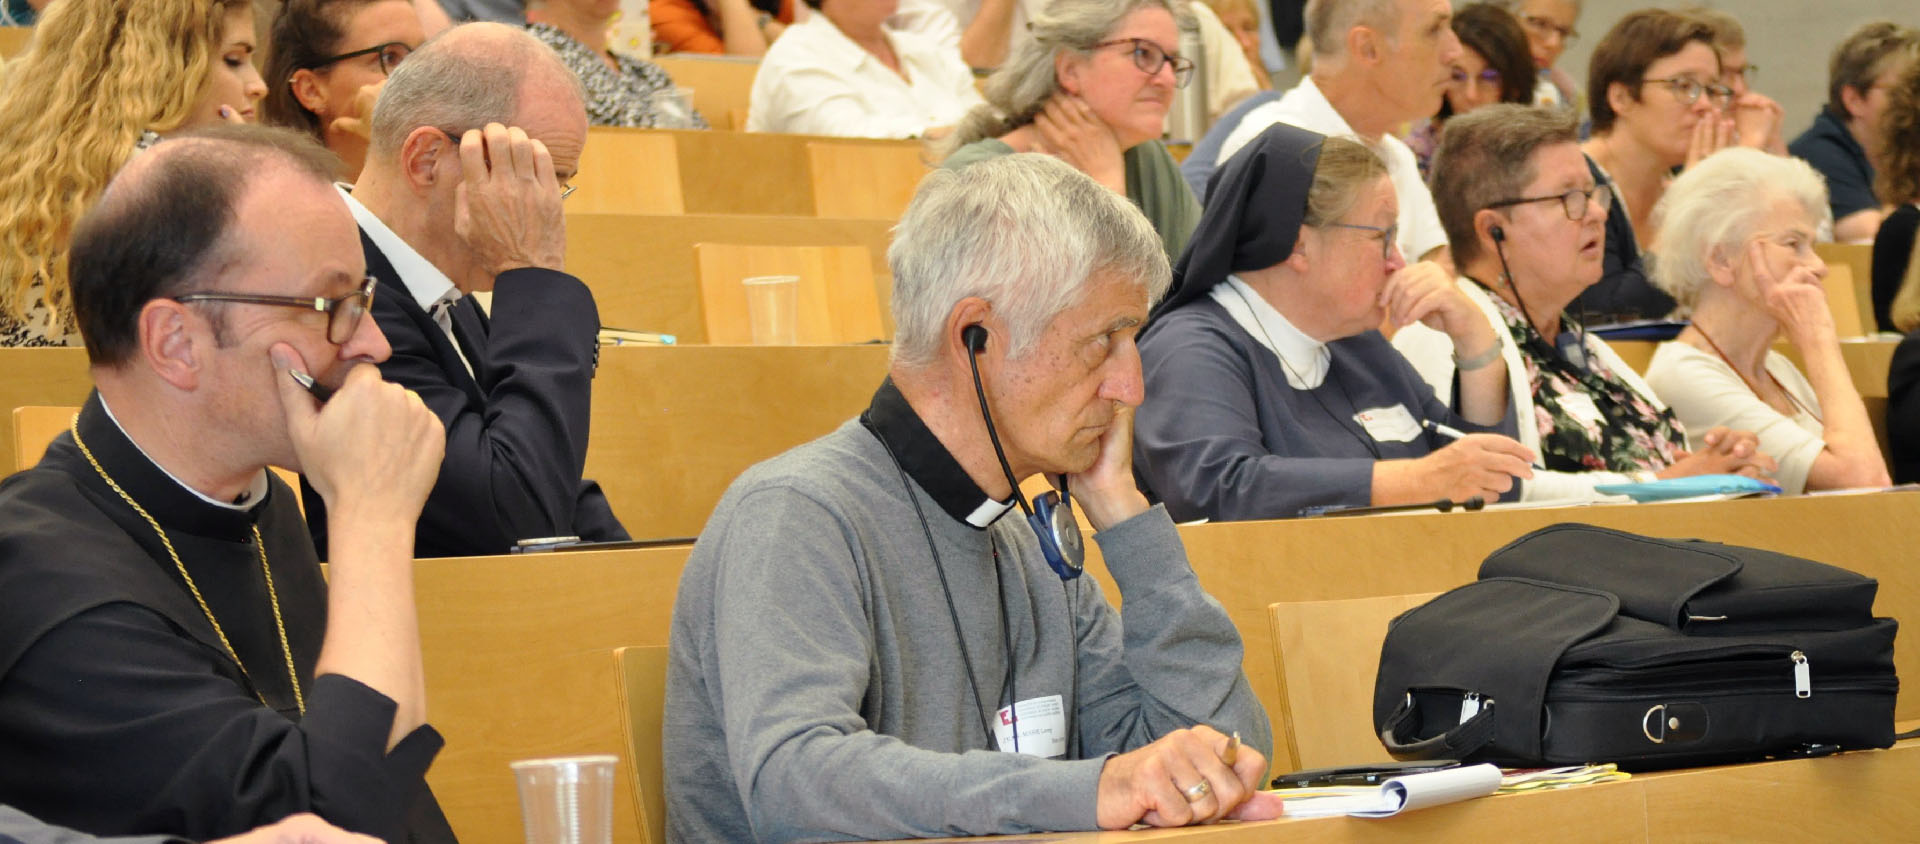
x: 973, y: 363
x: 1579, y: 330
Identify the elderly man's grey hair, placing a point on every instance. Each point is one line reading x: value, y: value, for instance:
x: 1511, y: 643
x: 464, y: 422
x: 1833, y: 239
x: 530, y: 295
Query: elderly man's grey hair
x: 461, y: 79
x: 1328, y: 22
x: 1024, y: 232
x: 1717, y: 204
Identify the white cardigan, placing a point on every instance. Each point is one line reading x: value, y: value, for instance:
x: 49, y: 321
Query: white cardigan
x: 1431, y: 353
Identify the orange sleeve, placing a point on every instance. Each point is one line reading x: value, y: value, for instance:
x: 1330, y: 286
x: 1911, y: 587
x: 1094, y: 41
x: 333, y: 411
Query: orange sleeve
x: 786, y: 11
x: 680, y: 26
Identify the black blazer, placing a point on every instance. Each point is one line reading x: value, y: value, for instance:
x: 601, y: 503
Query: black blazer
x: 516, y: 427
x: 1903, y: 410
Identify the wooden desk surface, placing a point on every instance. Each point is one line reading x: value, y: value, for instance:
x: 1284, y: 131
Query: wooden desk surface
x: 1250, y: 565
x: 1863, y: 796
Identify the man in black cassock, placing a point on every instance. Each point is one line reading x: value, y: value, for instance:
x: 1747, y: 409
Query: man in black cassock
x: 171, y: 661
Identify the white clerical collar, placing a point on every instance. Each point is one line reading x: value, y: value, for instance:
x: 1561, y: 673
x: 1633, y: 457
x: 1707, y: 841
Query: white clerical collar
x: 256, y: 490
x: 1304, y: 358
x: 424, y: 281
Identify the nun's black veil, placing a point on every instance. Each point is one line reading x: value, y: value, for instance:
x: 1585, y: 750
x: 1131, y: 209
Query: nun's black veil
x: 1256, y: 203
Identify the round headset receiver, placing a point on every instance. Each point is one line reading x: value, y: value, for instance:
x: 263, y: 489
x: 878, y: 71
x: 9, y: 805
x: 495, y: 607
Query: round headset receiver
x: 1051, y: 515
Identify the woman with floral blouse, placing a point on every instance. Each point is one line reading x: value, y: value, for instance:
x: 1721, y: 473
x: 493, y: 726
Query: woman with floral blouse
x: 1528, y: 240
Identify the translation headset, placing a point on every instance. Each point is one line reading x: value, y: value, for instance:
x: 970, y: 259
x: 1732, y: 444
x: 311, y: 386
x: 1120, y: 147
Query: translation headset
x: 1571, y: 345
x: 1051, y: 515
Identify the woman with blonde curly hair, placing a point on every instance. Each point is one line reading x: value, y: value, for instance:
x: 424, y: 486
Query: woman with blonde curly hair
x: 1898, y: 183
x: 101, y: 79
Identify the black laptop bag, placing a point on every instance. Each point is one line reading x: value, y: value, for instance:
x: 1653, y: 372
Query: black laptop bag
x: 1581, y: 644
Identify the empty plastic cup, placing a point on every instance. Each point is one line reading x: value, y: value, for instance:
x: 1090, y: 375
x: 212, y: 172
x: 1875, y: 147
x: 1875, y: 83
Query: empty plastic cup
x: 567, y: 800
x: 773, y: 309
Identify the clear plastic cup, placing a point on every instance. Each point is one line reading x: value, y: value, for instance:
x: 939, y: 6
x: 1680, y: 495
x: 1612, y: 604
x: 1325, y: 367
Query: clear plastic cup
x: 773, y: 309
x: 567, y: 800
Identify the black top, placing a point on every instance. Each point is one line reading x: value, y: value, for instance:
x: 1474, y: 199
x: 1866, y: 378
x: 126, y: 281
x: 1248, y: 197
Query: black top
x: 1624, y: 291
x: 1832, y: 150
x: 1892, y: 249
x: 120, y: 710
x: 1903, y: 410
x: 516, y: 426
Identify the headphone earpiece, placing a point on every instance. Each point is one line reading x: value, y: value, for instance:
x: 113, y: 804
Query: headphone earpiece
x: 975, y: 336
x: 1499, y: 234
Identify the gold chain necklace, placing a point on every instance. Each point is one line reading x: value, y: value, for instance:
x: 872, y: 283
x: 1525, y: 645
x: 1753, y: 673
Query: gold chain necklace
x: 299, y: 700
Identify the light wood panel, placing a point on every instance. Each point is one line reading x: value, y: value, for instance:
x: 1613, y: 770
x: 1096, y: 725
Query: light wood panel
x: 1862, y: 796
x: 674, y: 425
x: 836, y: 302
x: 1250, y: 566
x: 721, y: 84
x: 34, y: 427
x: 1858, y: 259
x: 38, y: 377
x: 641, y: 267
x: 747, y: 172
x: 1852, y: 312
x: 627, y: 172
x: 864, y: 182
x: 1325, y: 654
x: 519, y: 665
x: 643, y: 697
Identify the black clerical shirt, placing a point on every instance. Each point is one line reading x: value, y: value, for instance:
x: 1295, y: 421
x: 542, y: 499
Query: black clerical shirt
x: 120, y: 710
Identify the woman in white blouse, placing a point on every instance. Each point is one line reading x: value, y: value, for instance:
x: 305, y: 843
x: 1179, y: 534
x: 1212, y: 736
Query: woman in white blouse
x: 845, y: 72
x: 1736, y: 235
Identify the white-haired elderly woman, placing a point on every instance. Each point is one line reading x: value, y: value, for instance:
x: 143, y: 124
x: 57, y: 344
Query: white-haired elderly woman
x: 1736, y: 245
x: 1092, y: 87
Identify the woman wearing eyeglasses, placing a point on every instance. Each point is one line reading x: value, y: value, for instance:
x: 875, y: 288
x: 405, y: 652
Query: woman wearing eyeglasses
x: 844, y: 71
x: 1494, y: 67
x: 100, y: 79
x: 328, y: 59
x: 1269, y: 389
x: 1736, y: 248
x: 1527, y: 222
x: 1550, y: 30
x: 1092, y: 87
x: 1657, y: 105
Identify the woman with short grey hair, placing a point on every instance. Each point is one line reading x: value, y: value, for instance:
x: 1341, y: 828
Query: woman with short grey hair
x: 1736, y: 235
x: 1092, y: 87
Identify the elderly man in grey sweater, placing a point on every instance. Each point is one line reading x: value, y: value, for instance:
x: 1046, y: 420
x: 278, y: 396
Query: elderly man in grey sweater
x: 864, y: 648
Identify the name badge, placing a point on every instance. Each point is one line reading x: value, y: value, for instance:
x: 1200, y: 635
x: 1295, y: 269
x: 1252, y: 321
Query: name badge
x: 1043, y: 727
x: 1389, y: 424
x: 1582, y: 409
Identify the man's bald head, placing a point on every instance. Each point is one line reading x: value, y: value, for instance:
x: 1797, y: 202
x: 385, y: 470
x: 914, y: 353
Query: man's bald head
x: 465, y: 78
x: 165, y: 223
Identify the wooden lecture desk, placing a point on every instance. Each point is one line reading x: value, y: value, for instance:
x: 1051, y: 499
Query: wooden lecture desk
x: 1861, y: 796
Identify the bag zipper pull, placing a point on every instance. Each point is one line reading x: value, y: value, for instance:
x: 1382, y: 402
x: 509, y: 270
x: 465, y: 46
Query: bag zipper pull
x: 1802, y: 675
x: 1469, y: 706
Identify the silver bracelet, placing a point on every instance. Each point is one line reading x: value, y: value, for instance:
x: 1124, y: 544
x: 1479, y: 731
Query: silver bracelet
x: 1479, y: 361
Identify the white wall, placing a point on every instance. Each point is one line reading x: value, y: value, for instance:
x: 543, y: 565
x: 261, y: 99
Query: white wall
x: 1788, y: 40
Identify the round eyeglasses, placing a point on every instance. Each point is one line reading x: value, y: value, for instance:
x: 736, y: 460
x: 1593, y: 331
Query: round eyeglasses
x: 343, y: 313
x: 1149, y: 58
x: 391, y: 55
x: 1689, y: 90
x: 1574, y: 202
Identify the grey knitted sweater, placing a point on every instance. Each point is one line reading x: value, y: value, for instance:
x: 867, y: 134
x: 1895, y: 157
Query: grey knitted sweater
x: 817, y: 689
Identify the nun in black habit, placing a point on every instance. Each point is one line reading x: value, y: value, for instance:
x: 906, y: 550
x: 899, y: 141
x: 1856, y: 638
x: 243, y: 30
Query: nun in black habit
x: 1269, y: 388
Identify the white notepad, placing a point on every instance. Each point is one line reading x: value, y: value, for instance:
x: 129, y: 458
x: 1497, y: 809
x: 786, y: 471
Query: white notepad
x: 1413, y: 791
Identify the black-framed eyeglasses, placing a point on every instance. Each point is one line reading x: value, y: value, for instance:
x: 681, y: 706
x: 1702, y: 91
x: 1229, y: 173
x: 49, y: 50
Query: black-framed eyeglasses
x: 1689, y: 90
x: 1574, y: 202
x: 1543, y: 27
x: 343, y: 313
x: 1149, y: 58
x: 1488, y: 75
x: 1388, y: 235
x: 391, y: 55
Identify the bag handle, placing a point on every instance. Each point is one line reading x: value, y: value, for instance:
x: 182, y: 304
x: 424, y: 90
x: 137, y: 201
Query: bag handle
x: 1459, y: 742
